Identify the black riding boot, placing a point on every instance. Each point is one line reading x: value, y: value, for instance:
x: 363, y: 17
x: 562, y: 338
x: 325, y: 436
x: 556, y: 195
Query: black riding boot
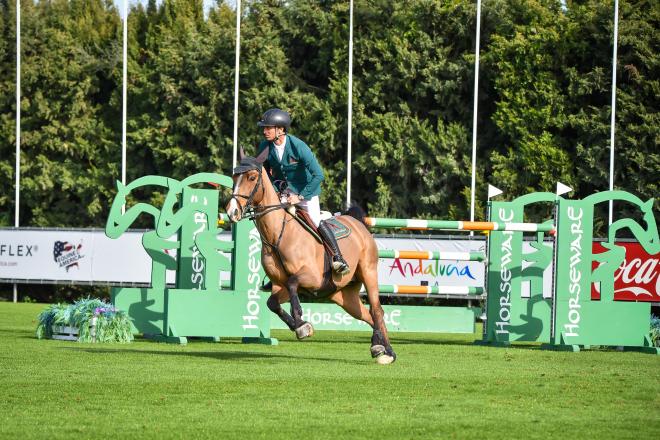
x: 339, y: 265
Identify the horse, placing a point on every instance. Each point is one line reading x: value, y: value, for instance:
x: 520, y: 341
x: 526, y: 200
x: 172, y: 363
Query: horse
x: 296, y: 262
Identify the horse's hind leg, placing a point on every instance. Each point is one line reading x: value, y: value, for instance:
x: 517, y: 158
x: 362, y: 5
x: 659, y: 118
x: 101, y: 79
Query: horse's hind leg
x: 380, y: 342
x: 348, y: 299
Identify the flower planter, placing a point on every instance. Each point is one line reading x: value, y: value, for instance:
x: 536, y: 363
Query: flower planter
x: 87, y: 320
x: 66, y: 333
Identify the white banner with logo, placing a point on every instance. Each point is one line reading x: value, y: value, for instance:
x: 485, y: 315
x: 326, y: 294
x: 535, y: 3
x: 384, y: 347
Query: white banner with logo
x: 83, y: 256
x: 431, y: 272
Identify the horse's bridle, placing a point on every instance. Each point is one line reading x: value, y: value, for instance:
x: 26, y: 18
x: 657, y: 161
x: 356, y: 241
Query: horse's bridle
x: 251, y: 211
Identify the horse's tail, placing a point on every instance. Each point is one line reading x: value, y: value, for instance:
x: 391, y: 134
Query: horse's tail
x: 357, y: 213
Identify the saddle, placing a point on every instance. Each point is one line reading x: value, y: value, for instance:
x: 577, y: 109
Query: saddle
x: 339, y: 229
x: 306, y: 222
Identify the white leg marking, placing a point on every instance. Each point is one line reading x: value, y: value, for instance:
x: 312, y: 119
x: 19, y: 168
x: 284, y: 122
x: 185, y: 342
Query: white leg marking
x: 233, y: 205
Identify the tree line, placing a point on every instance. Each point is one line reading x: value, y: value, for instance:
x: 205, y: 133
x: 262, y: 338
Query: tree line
x: 544, y: 98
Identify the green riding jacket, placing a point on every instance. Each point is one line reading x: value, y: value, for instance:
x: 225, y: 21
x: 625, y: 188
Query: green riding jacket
x: 299, y: 167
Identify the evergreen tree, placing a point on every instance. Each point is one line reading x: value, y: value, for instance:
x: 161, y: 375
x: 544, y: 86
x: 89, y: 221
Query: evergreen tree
x: 544, y: 98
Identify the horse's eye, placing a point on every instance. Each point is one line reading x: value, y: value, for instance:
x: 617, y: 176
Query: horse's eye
x: 253, y: 178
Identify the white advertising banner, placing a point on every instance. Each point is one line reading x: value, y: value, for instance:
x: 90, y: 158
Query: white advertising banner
x: 431, y: 272
x: 77, y: 256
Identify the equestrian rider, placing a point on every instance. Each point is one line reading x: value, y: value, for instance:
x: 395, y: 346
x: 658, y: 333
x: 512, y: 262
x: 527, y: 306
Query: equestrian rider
x: 290, y: 160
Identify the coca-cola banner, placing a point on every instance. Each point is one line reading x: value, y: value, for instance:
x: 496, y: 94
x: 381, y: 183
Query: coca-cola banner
x: 638, y: 278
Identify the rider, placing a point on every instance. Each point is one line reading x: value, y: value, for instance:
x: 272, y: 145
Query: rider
x: 290, y: 160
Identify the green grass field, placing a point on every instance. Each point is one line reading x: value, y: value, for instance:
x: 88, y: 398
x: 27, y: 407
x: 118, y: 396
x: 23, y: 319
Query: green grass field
x: 326, y: 388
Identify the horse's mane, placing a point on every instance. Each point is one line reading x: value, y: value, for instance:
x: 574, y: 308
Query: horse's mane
x: 356, y: 212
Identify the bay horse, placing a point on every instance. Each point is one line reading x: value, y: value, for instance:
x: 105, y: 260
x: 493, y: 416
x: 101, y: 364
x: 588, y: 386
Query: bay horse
x: 295, y: 261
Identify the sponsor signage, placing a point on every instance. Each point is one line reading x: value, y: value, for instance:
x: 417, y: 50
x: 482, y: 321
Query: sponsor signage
x: 75, y: 256
x: 254, y: 276
x: 397, y: 319
x: 638, y: 277
x: 431, y: 272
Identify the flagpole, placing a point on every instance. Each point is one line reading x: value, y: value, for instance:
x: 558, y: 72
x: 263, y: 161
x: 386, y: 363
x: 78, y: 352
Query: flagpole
x: 349, y: 140
x: 124, y: 93
x: 474, y: 112
x: 17, y: 183
x: 612, y: 120
x: 236, y: 76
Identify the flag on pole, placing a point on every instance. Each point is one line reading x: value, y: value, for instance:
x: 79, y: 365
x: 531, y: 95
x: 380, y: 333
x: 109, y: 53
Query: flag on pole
x: 493, y: 191
x: 563, y: 189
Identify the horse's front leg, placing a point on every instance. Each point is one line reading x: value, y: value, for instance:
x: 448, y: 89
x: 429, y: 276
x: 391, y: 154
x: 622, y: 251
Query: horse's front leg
x: 303, y: 329
x: 278, y: 297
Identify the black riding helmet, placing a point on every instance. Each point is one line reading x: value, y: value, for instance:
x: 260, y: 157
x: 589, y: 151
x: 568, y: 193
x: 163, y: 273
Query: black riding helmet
x: 275, y: 117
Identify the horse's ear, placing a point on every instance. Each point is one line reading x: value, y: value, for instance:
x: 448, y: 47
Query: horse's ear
x: 241, y: 153
x: 263, y: 155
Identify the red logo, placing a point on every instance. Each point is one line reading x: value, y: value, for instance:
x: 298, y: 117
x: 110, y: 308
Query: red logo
x: 638, y: 278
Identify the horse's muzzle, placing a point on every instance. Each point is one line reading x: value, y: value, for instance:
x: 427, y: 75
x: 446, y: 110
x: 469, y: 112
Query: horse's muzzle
x: 233, y: 211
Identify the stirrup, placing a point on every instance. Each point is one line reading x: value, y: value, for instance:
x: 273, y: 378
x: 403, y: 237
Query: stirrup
x: 340, y: 266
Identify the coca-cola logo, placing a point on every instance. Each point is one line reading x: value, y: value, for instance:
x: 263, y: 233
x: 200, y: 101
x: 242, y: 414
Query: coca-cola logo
x: 637, y: 273
x: 638, y: 277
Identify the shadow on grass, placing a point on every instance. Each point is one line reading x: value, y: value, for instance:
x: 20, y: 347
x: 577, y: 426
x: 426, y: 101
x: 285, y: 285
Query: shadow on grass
x: 18, y: 334
x: 465, y: 340
x: 216, y: 355
x: 464, y: 343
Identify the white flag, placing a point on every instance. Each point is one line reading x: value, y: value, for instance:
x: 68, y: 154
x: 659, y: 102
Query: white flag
x: 563, y: 189
x: 493, y: 191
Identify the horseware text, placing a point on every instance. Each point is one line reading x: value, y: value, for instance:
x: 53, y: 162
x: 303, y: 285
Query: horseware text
x: 197, y: 260
x: 344, y: 319
x: 505, y: 276
x: 254, y: 280
x: 575, y: 274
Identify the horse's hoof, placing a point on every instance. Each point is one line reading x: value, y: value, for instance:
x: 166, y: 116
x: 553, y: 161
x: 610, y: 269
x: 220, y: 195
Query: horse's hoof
x: 305, y: 331
x: 377, y: 350
x: 383, y: 355
x: 385, y: 359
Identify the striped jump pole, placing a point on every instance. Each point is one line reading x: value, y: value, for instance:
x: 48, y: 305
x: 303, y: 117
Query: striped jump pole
x: 453, y: 225
x: 430, y: 290
x: 223, y: 219
x: 431, y: 255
